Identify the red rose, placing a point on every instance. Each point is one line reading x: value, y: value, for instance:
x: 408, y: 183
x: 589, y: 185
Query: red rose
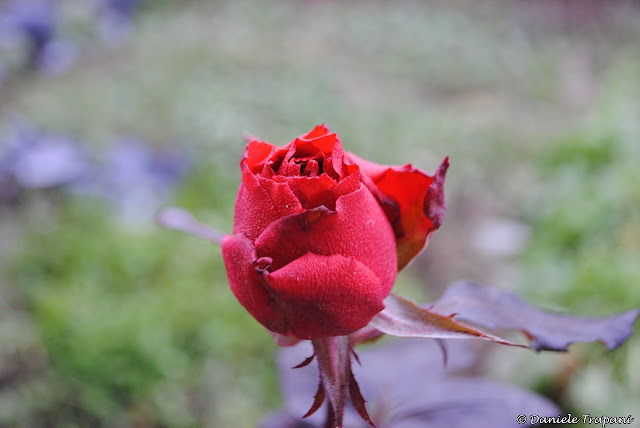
x: 319, y: 235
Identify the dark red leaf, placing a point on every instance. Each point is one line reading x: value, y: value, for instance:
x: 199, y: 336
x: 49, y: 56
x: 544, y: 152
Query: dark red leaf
x: 358, y: 400
x: 317, y: 401
x: 306, y: 362
x: 406, y: 386
x: 404, y: 318
x: 498, y: 309
x: 333, y: 355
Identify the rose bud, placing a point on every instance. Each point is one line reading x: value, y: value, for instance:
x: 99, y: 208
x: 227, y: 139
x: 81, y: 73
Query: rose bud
x: 319, y: 235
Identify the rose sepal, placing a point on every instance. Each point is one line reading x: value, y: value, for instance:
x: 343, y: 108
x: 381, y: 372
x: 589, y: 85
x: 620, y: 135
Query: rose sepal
x: 333, y: 355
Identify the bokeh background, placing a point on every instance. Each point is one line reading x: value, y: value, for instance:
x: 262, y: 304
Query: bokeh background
x: 111, y: 109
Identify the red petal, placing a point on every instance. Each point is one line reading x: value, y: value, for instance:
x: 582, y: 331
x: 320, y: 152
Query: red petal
x: 337, y: 160
x: 239, y: 254
x: 260, y: 202
x: 309, y: 147
x: 256, y: 154
x: 324, y: 296
x: 314, y: 296
x: 358, y: 228
x: 313, y: 191
x: 348, y: 184
x: 316, y: 132
x: 413, y: 202
x: 322, y: 139
x: 371, y: 169
x: 407, y: 187
x: 311, y: 169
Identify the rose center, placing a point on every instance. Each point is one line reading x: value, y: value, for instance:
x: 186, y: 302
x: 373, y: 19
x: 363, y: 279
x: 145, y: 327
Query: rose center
x: 299, y: 166
x: 309, y: 168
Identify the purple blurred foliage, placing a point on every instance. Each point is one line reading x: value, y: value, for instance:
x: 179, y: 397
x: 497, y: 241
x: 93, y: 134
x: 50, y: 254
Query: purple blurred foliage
x: 407, y: 386
x: 35, y: 20
x: 115, y: 19
x: 136, y: 179
x: 124, y: 9
x: 34, y: 23
x: 58, y: 57
x: 30, y: 159
x: 132, y: 177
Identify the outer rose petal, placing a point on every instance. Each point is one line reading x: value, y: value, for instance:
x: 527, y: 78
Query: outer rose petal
x: 239, y: 256
x: 314, y: 296
x: 325, y: 295
x: 412, y: 200
x: 358, y: 228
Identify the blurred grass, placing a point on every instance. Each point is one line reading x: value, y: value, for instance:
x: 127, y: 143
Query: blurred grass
x: 137, y: 327
x: 118, y: 327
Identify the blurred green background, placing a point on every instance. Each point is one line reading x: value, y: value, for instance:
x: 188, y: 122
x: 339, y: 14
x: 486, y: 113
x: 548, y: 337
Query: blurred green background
x: 108, y: 324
